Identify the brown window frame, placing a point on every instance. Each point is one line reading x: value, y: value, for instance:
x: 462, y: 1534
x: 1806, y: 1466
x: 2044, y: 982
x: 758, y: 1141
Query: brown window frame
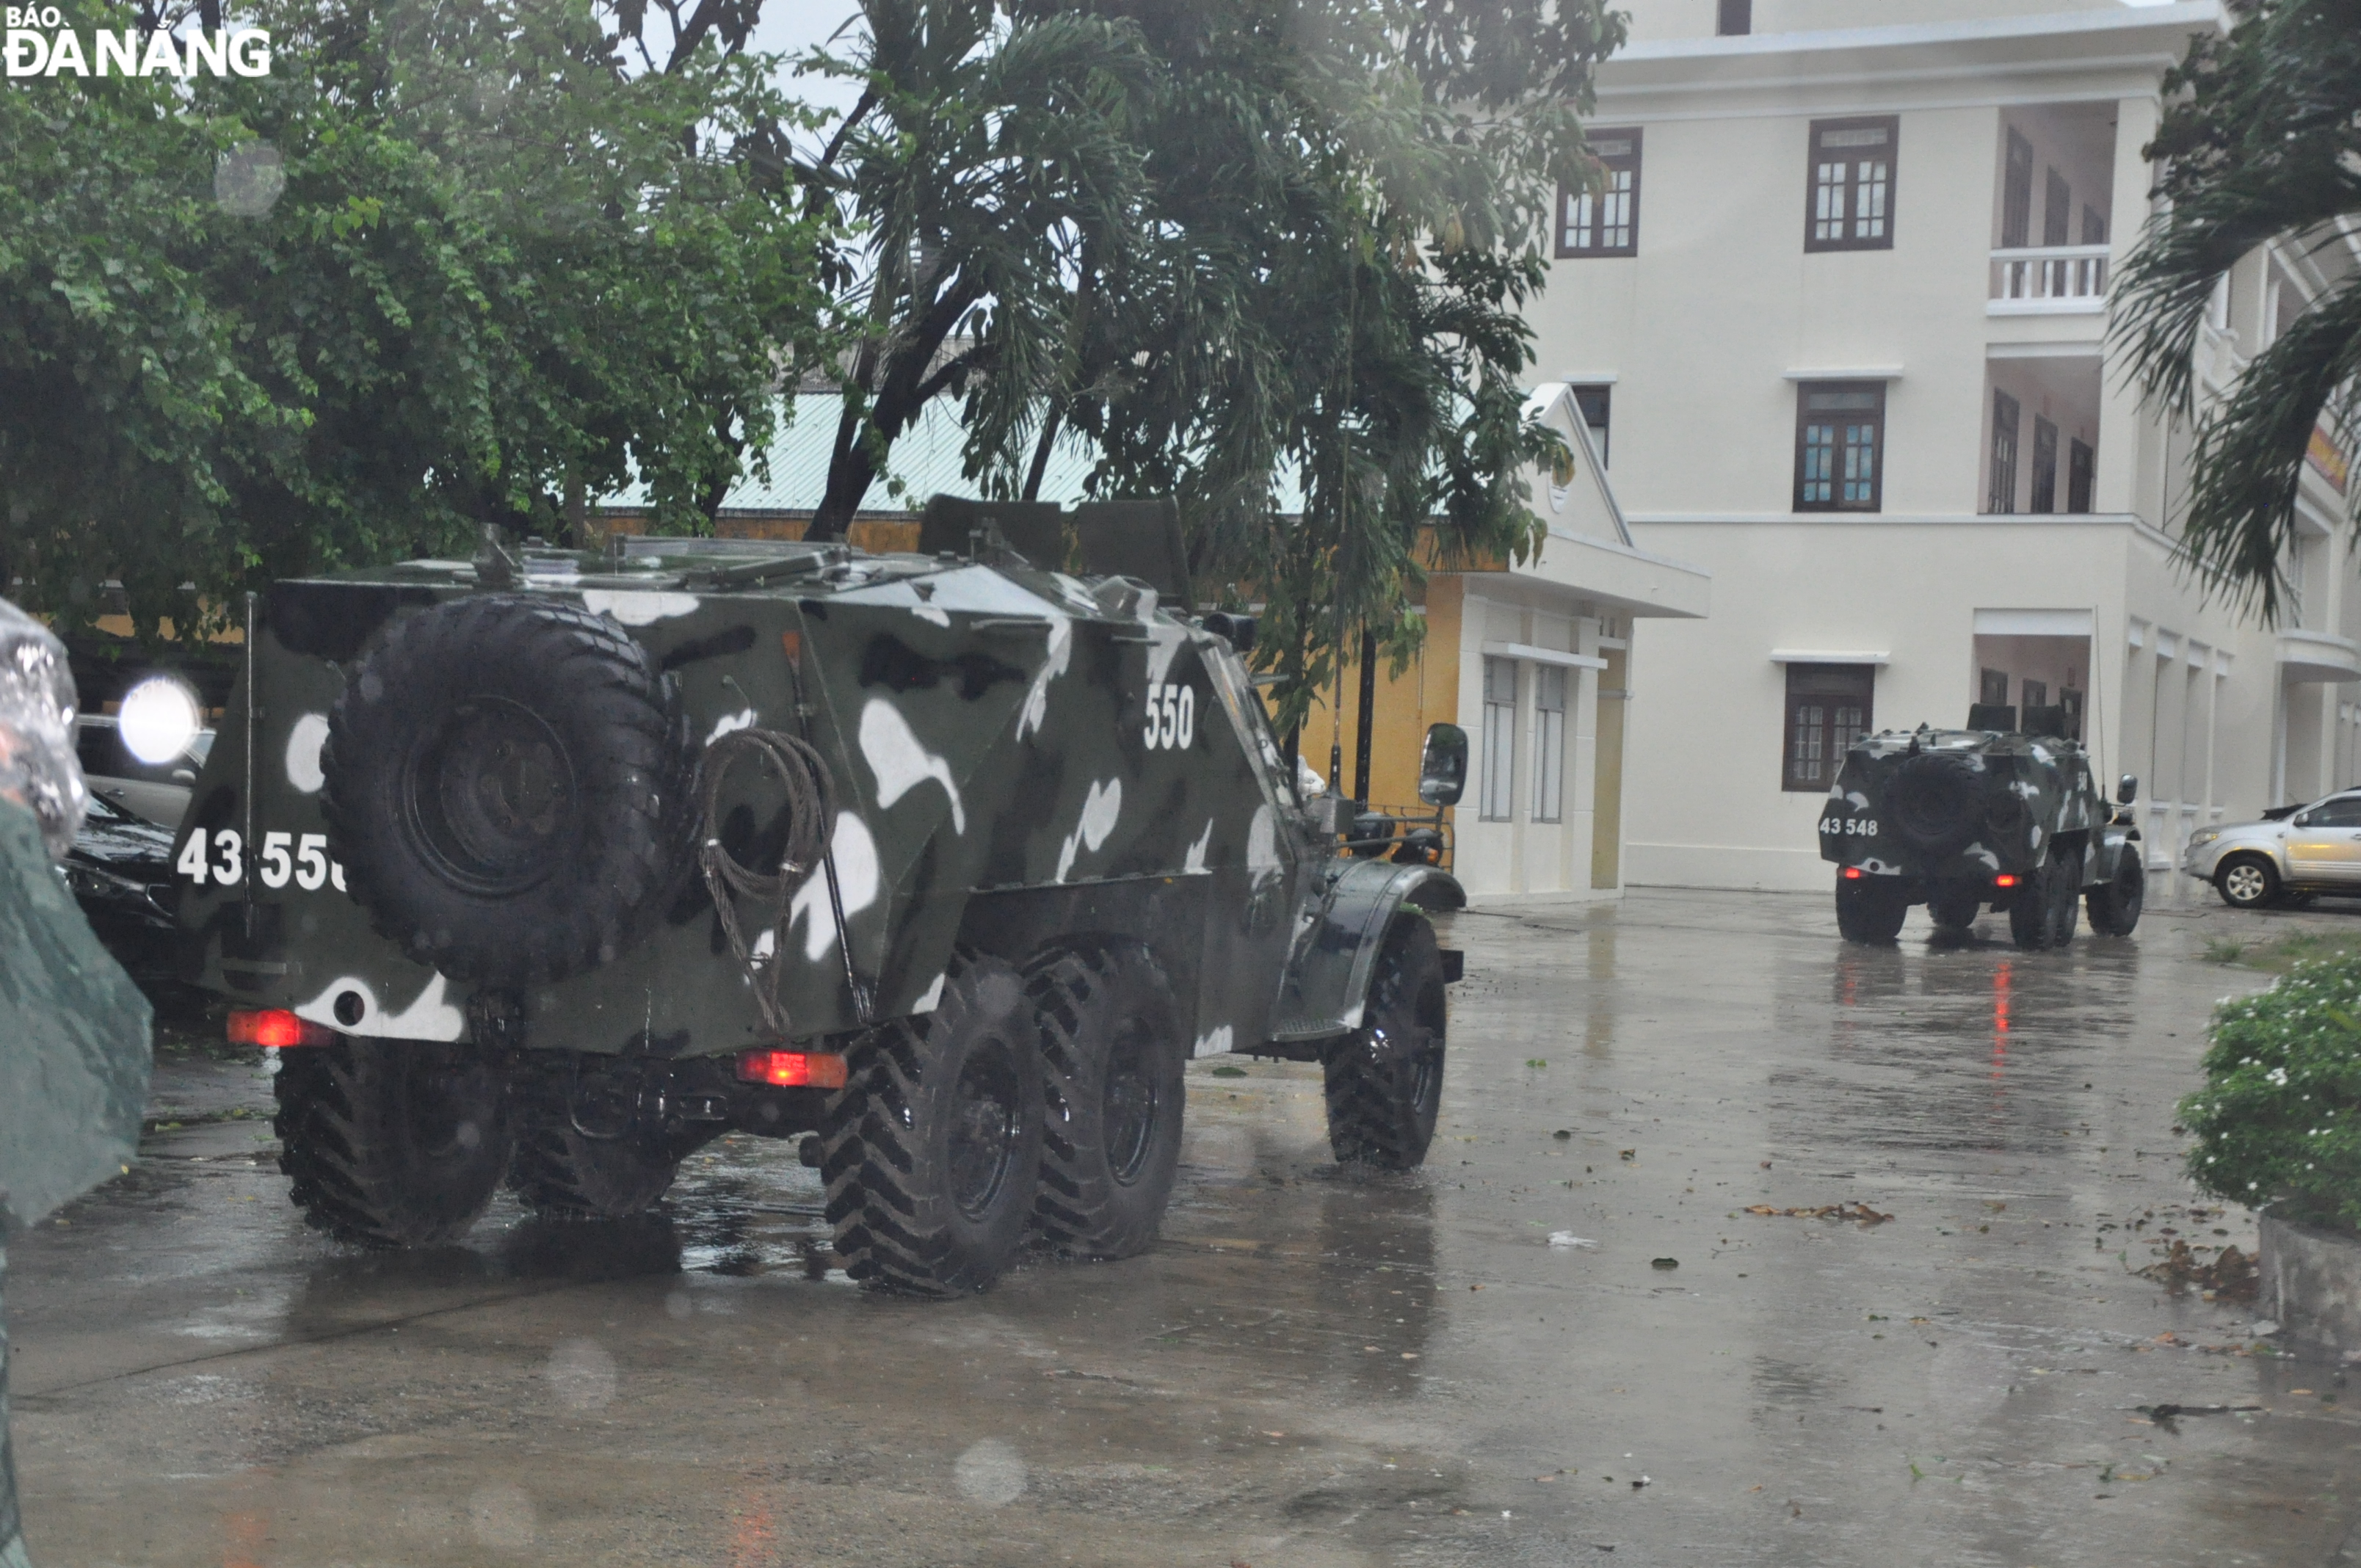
x: 2081, y: 475
x: 2001, y: 461
x: 2015, y: 191
x: 1567, y: 194
x: 1823, y: 686
x: 2044, y: 466
x: 1892, y: 125
x: 1805, y: 392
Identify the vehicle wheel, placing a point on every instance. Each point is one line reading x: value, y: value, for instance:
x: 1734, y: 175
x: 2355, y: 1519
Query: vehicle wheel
x: 2048, y: 904
x: 507, y: 783
x: 1111, y: 1068
x: 2247, y: 881
x: 933, y: 1146
x: 2115, y: 907
x: 1384, y: 1079
x: 560, y: 1170
x: 1955, y: 908
x: 392, y: 1142
x: 1869, y: 910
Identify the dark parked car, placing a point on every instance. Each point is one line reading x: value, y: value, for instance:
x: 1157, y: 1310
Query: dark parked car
x: 120, y: 871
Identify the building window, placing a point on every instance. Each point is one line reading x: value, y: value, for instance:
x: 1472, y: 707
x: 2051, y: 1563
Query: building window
x: 2094, y: 227
x: 2056, y: 211
x: 1500, y: 739
x: 1850, y: 205
x: 2080, y: 462
x: 1549, y: 743
x: 1736, y: 18
x: 1828, y: 710
x: 1594, y: 403
x: 1605, y: 221
x: 1839, y: 445
x: 2000, y: 496
x: 2045, y: 465
x: 2036, y: 693
x: 1993, y: 688
x: 2016, y: 195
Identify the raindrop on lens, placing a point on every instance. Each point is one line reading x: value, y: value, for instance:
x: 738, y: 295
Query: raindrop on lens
x: 990, y: 1473
x: 249, y: 179
x: 581, y: 1374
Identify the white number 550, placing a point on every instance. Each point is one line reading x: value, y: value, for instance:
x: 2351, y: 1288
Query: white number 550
x: 1172, y: 717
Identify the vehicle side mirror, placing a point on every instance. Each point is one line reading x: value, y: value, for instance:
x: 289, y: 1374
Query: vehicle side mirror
x: 2302, y: 819
x: 2128, y: 789
x: 1443, y: 765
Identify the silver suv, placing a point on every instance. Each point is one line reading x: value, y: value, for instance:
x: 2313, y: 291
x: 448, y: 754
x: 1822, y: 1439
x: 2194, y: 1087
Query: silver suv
x: 2313, y: 850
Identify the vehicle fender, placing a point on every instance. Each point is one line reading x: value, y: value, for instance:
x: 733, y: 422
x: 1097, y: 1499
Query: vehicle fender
x: 2110, y: 844
x: 1328, y: 974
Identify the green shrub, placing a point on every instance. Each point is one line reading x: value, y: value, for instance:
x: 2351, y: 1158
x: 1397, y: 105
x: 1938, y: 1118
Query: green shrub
x: 2278, y: 1121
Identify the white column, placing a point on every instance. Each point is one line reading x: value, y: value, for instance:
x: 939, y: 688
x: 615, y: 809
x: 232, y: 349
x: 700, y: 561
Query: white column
x: 2124, y: 431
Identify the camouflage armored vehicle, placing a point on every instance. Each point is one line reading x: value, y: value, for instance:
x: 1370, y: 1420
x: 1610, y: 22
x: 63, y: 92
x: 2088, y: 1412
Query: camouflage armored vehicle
x: 1992, y: 815
x: 549, y: 867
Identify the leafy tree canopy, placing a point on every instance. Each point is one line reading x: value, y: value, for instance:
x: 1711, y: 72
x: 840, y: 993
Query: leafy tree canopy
x: 444, y: 265
x: 1228, y: 245
x: 2262, y: 141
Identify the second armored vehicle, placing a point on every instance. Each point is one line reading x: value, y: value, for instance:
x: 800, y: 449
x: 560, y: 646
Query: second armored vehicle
x: 1989, y: 816
x: 548, y: 868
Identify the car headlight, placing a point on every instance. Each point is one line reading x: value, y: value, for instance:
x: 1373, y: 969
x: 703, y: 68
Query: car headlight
x: 2199, y: 840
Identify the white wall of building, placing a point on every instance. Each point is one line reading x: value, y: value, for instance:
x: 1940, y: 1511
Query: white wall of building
x: 1706, y: 335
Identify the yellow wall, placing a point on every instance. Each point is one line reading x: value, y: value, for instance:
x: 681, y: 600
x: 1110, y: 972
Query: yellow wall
x: 1426, y: 692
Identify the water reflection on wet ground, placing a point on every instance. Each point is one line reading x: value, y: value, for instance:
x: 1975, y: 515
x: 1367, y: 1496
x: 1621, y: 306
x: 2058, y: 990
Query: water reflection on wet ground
x: 1312, y: 1368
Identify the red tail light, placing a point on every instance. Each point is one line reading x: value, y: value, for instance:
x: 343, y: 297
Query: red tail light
x: 2006, y: 879
x: 277, y: 1026
x: 792, y: 1070
x: 1852, y: 874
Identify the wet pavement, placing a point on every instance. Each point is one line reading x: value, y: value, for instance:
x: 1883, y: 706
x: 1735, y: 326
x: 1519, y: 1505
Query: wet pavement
x: 1311, y: 1369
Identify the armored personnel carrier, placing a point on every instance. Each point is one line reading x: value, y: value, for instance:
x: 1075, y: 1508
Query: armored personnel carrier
x: 1993, y: 815
x: 549, y: 867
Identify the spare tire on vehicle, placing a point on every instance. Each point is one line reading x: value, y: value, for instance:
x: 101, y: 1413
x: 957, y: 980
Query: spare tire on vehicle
x: 507, y: 784
x: 1935, y: 802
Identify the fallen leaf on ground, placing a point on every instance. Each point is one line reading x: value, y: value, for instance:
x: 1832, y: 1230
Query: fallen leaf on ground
x: 1862, y: 1211
x: 2229, y: 1274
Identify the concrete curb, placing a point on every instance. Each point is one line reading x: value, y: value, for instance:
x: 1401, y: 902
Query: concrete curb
x: 2311, y: 1282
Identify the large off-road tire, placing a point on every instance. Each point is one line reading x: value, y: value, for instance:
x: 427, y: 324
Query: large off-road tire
x: 1870, y: 910
x: 933, y: 1146
x: 2048, y: 904
x: 392, y: 1142
x: 562, y: 1171
x: 1112, y: 1059
x: 507, y: 784
x: 1935, y: 802
x: 1955, y: 908
x: 2115, y: 905
x: 2247, y: 881
x: 1384, y: 1079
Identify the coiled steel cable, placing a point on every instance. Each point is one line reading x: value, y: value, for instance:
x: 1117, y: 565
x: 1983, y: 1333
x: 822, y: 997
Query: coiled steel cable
x: 811, y: 822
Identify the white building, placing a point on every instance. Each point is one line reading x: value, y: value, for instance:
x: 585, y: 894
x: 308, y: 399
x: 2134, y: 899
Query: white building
x: 1839, y: 324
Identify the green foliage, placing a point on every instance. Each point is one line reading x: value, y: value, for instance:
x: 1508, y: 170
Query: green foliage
x: 1279, y: 244
x: 444, y: 265
x: 2278, y: 1121
x: 2262, y: 141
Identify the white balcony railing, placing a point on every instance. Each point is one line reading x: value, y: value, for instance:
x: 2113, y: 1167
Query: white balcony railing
x: 2038, y: 278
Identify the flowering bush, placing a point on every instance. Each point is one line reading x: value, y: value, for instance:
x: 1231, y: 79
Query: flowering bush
x: 2278, y: 1121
